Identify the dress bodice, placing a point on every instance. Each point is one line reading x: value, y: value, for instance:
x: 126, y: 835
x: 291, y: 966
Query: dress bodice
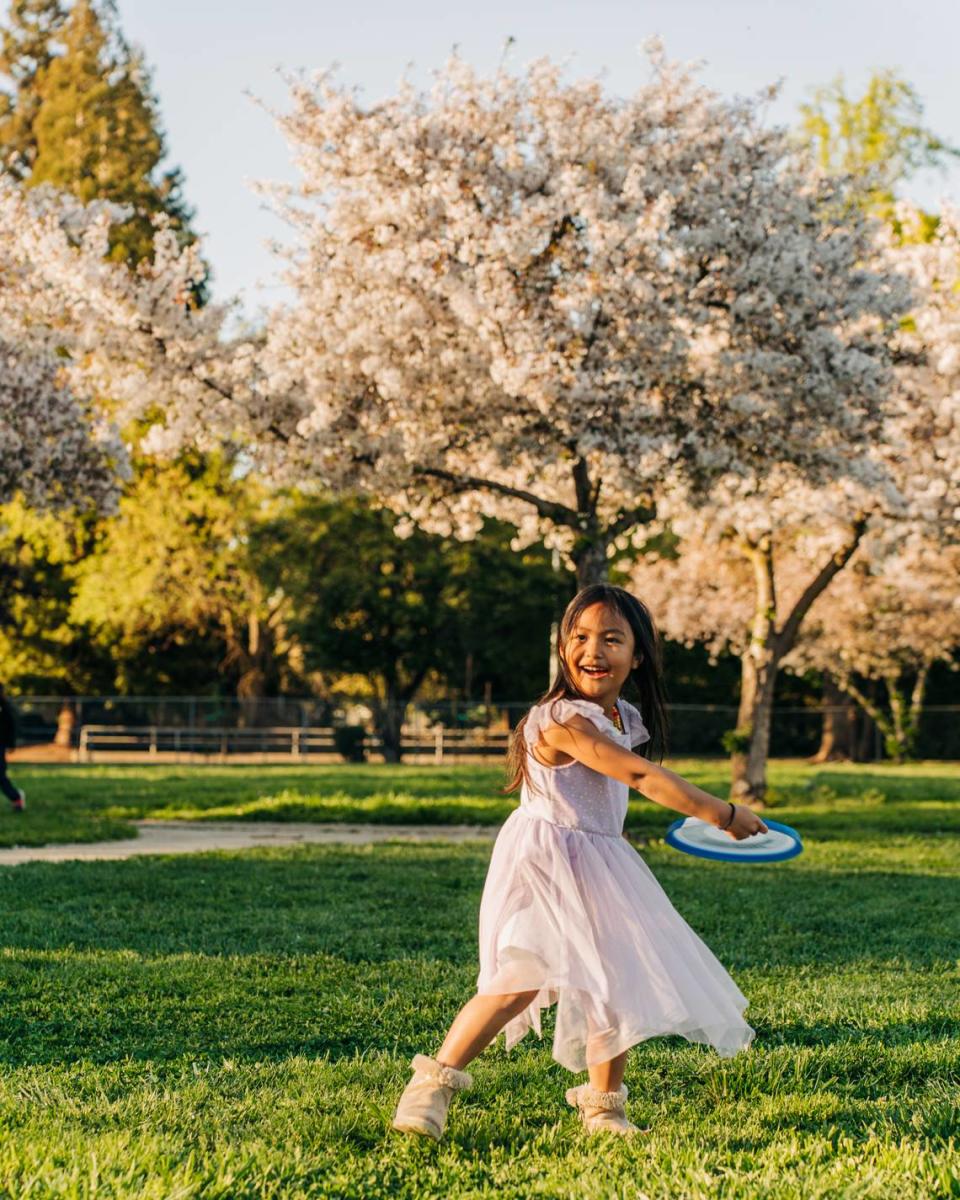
x: 575, y: 796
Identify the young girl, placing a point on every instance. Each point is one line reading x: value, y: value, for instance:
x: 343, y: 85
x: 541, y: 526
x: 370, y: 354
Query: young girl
x: 570, y: 914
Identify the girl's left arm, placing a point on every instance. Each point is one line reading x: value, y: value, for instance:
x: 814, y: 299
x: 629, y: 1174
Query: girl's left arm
x: 580, y: 739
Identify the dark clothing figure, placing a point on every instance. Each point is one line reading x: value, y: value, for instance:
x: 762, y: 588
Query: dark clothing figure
x: 8, y: 740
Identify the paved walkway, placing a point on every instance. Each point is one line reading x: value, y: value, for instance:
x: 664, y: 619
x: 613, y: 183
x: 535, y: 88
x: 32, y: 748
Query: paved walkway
x: 188, y: 837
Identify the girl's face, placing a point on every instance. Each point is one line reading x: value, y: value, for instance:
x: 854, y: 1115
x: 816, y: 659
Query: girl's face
x: 599, y: 654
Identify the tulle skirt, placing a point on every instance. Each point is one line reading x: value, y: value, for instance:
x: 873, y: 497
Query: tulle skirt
x: 580, y: 918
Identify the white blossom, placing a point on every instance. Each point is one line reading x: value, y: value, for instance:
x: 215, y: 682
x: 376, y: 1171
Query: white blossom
x: 522, y: 297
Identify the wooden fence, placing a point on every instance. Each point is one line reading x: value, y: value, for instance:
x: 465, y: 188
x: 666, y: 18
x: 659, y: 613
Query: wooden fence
x: 280, y: 743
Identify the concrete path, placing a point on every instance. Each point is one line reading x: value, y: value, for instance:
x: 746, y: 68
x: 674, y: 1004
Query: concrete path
x: 188, y: 837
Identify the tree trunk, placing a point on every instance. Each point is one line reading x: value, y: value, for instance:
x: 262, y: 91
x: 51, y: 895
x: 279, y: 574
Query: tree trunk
x: 257, y: 663
x: 751, y: 741
x: 864, y: 750
x: 839, y: 724
x: 590, y: 560
x: 66, y: 723
x: 389, y: 718
x: 901, y: 739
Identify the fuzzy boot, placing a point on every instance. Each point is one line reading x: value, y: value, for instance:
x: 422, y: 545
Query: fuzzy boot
x: 602, y: 1112
x: 426, y: 1098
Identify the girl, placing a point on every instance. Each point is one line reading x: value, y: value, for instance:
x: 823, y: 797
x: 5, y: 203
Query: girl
x: 570, y: 914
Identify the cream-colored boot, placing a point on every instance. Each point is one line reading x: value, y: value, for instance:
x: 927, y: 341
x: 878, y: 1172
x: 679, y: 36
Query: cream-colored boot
x: 426, y: 1098
x: 602, y: 1112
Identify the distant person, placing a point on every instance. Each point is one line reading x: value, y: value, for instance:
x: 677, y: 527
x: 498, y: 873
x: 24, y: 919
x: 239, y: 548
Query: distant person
x: 8, y: 740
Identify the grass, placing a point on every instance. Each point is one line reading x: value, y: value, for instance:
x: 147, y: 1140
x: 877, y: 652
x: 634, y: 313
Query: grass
x: 90, y: 803
x: 239, y: 1025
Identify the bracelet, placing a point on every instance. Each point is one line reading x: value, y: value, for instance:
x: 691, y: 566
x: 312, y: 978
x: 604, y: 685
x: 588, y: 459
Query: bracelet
x: 733, y: 813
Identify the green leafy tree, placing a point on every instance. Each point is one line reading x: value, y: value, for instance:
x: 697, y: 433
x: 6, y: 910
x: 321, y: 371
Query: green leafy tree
x: 879, y: 138
x: 79, y: 114
x: 507, y: 604
x: 169, y: 589
x: 398, y: 611
x: 39, y: 647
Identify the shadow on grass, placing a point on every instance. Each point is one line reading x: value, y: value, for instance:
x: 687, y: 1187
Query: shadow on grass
x: 393, y: 900
x: 333, y: 949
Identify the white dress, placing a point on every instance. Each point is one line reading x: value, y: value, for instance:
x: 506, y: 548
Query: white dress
x: 569, y: 909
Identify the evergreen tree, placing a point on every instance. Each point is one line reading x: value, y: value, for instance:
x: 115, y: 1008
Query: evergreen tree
x: 83, y: 117
x: 26, y: 50
x: 97, y: 130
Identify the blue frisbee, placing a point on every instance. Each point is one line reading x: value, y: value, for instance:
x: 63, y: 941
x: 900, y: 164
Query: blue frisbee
x: 703, y: 840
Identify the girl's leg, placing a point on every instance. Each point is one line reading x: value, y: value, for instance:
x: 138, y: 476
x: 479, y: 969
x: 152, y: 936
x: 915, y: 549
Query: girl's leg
x: 607, y: 1076
x: 601, y: 1101
x: 426, y: 1098
x: 477, y: 1024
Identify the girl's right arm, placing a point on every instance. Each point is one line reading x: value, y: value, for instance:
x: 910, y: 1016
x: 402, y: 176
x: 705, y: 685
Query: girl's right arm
x: 581, y: 740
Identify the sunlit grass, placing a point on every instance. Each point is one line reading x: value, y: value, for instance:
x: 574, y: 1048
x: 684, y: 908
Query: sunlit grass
x: 87, y: 803
x: 239, y: 1026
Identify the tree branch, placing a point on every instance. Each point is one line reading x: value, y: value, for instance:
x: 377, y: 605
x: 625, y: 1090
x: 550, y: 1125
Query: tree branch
x: 788, y: 633
x: 626, y: 520
x: 869, y: 707
x: 581, y: 483
x: 560, y: 514
x: 760, y: 554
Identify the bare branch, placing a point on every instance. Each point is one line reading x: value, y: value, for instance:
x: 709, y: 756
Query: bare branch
x: 787, y: 635
x: 560, y: 514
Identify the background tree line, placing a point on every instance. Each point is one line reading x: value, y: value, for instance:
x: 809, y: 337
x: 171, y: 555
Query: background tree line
x: 206, y: 574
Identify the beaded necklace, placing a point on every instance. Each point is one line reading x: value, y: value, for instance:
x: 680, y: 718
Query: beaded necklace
x: 617, y: 719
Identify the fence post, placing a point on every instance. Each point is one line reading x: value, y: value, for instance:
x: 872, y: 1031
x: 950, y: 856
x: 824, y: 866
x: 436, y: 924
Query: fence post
x: 295, y: 742
x: 153, y: 739
x: 82, y: 749
x: 438, y: 744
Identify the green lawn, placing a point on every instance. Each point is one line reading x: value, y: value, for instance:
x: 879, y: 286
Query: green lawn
x: 239, y: 1025
x: 66, y: 803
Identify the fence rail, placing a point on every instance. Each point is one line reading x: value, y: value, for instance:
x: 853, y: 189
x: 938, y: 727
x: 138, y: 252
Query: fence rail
x: 296, y: 742
x: 210, y: 727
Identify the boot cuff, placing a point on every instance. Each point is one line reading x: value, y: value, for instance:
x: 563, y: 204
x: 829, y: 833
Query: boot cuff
x: 446, y: 1076
x: 591, y: 1097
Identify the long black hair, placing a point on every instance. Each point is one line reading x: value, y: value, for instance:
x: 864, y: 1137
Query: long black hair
x: 644, y: 683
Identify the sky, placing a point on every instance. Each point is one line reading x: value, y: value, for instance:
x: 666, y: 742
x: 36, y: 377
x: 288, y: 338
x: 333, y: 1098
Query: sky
x: 211, y: 60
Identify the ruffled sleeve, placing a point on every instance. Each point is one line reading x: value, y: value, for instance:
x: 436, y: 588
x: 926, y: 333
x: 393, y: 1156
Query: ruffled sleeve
x: 559, y: 712
x: 634, y: 724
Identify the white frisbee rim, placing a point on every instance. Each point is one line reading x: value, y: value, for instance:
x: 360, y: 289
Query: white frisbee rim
x: 733, y: 855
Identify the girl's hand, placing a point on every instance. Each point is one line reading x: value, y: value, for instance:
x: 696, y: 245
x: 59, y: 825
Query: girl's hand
x: 745, y: 823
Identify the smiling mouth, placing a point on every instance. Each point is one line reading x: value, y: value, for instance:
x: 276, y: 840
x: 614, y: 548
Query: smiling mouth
x: 594, y: 672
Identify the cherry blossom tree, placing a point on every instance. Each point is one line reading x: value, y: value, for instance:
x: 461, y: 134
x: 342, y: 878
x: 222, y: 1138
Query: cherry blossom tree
x: 753, y: 562
x: 87, y: 345
x: 889, y: 617
x: 522, y: 298
x: 55, y: 448
x: 748, y: 570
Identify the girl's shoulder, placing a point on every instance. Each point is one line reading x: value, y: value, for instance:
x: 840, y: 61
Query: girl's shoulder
x: 560, y: 711
x: 633, y: 723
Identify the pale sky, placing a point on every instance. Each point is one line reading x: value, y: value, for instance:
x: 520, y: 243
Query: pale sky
x: 206, y: 56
